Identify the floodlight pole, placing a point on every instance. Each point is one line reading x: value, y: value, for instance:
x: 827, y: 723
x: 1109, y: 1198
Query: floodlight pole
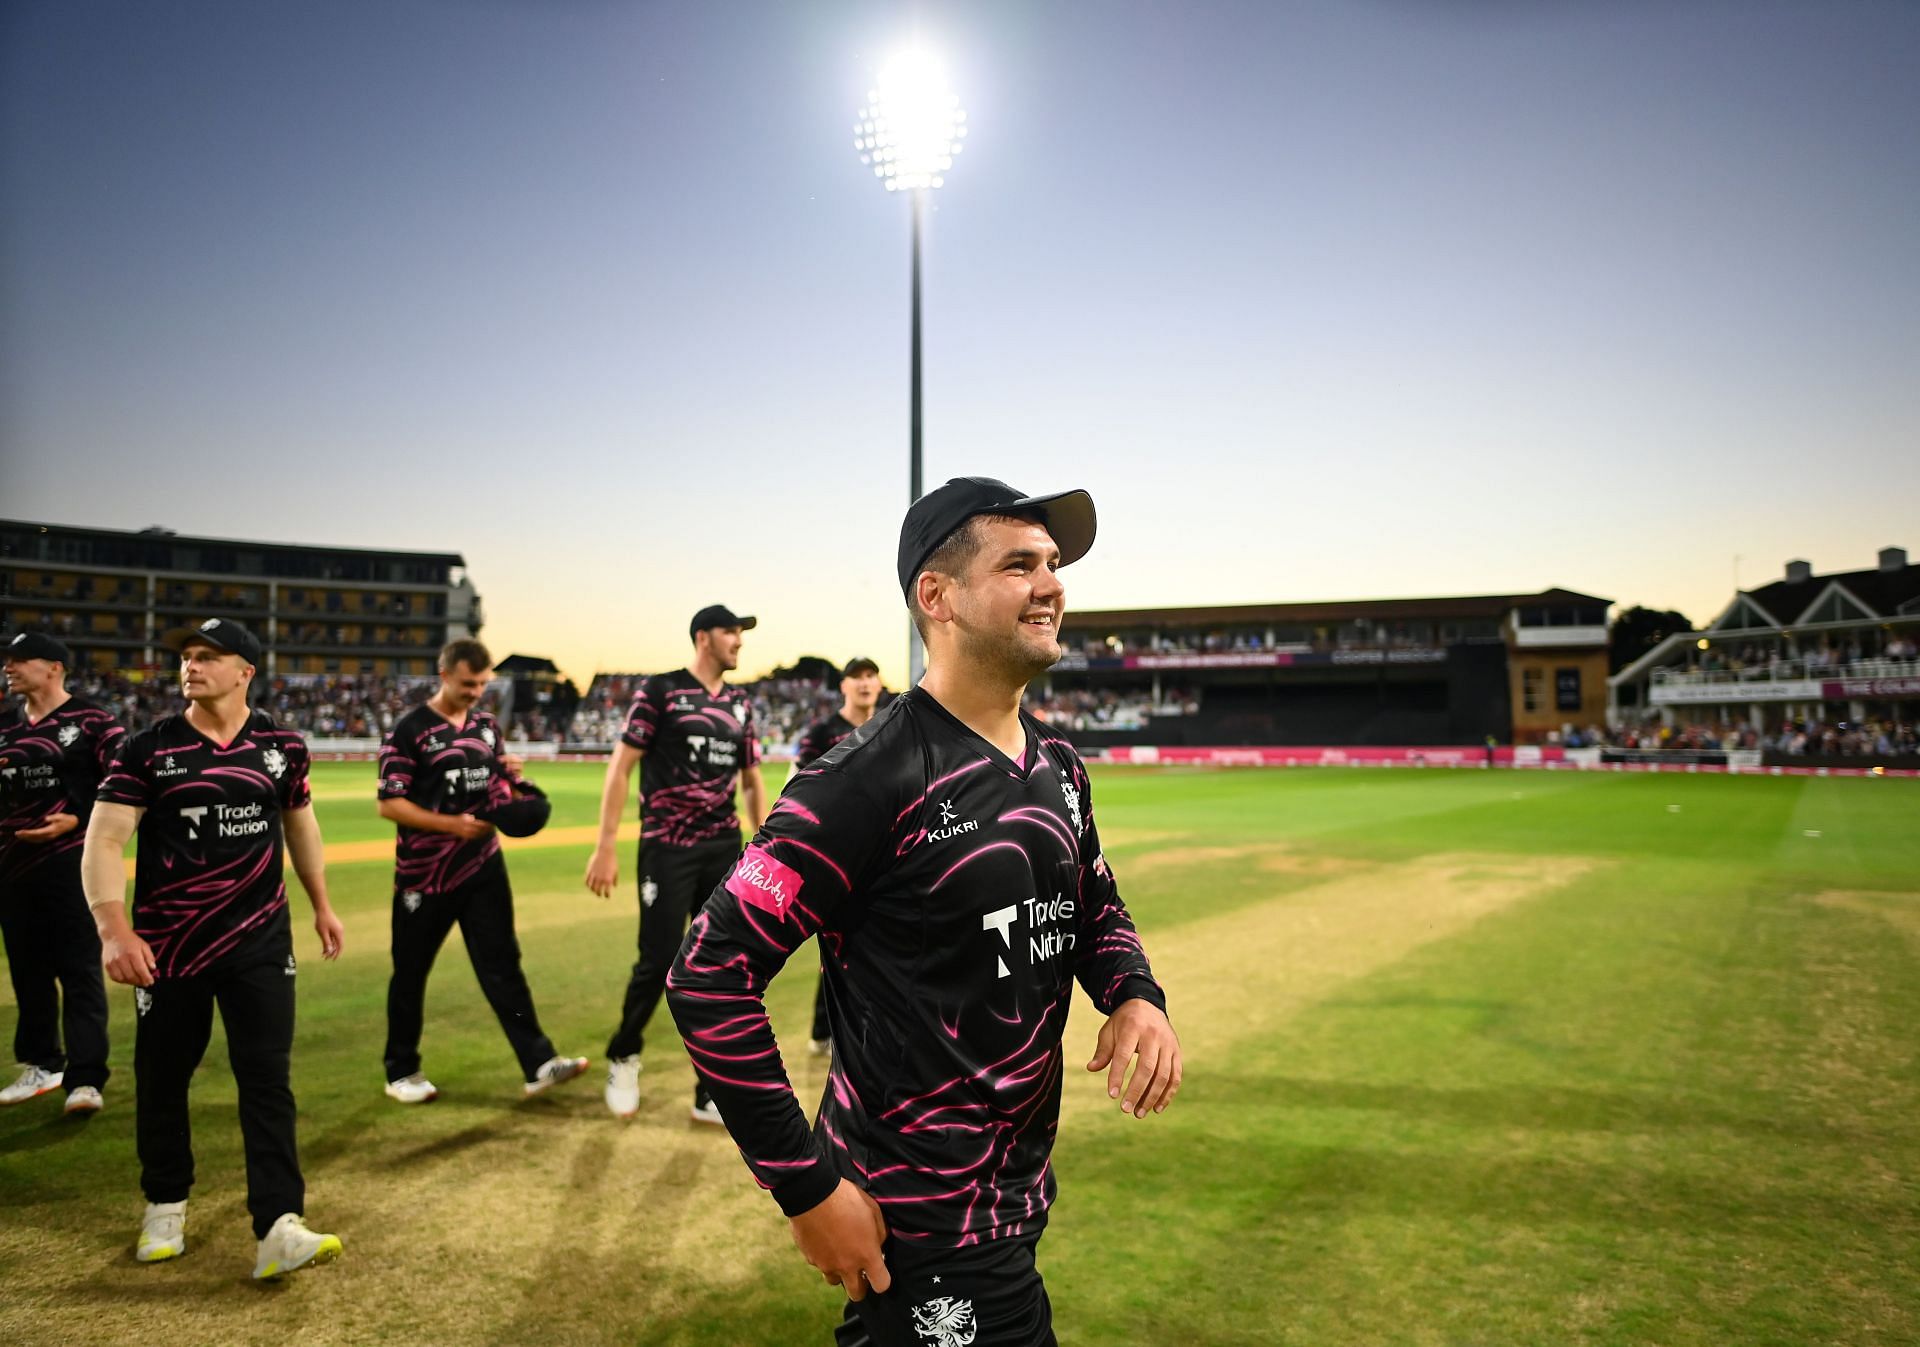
x: 916, y: 651
x: 909, y: 133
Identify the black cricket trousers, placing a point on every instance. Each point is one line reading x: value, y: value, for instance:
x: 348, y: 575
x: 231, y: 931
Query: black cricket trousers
x: 255, y: 994
x: 989, y: 1295
x: 674, y: 885
x: 52, y: 949
x: 483, y: 907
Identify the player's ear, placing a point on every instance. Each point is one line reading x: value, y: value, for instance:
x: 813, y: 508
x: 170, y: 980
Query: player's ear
x: 932, y: 591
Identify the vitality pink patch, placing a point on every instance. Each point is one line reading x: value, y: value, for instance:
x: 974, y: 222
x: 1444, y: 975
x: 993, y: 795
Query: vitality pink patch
x: 764, y: 882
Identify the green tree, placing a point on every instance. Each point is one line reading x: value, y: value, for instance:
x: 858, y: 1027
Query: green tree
x: 1638, y: 630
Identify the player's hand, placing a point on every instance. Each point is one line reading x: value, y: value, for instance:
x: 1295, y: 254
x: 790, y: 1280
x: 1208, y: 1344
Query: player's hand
x: 603, y: 871
x: 332, y: 933
x: 841, y: 1237
x: 128, y: 959
x: 513, y: 763
x: 470, y: 829
x: 56, y: 825
x: 1139, y: 1029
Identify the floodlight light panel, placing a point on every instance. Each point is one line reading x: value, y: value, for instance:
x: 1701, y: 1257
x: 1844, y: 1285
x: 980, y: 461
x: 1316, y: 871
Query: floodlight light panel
x: 913, y: 123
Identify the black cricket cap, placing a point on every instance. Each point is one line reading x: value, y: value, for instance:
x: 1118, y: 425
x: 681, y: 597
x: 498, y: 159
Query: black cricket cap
x: 1069, y: 516
x: 719, y: 615
x: 38, y: 645
x: 858, y: 665
x: 222, y: 633
x: 522, y: 816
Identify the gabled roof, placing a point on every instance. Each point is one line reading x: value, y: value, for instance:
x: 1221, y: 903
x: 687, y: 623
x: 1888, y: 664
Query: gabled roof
x: 1882, y: 592
x: 1728, y: 622
x: 1846, y: 606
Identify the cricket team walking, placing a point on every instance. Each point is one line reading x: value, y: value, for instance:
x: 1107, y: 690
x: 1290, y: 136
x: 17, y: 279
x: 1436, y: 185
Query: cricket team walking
x: 939, y: 851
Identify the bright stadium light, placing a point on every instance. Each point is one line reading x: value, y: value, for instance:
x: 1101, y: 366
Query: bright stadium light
x: 912, y: 126
x: 908, y: 134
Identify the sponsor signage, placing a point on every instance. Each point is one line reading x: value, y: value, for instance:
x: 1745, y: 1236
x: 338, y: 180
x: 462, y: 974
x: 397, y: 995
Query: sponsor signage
x: 1251, y: 659
x: 1559, y: 638
x: 1549, y: 757
x: 1787, y: 690
x: 1775, y: 690
x: 1526, y: 755
x: 1844, y: 688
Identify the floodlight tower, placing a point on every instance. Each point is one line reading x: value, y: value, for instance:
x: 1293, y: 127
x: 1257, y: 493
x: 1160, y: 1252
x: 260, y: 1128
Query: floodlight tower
x: 909, y: 133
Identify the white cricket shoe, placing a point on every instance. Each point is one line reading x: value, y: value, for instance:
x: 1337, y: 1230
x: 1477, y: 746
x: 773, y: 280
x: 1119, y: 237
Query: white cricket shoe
x: 414, y: 1089
x: 33, y: 1082
x: 83, y: 1100
x: 708, y: 1112
x: 290, y: 1246
x: 163, y: 1232
x: 555, y: 1071
x: 623, y: 1086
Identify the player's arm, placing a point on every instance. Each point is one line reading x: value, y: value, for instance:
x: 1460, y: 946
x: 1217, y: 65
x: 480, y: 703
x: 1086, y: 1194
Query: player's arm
x: 103, y: 874
x: 49, y: 828
x: 1114, y: 972
x: 397, y: 768
x: 603, y: 867
x: 308, y: 851
x: 79, y: 793
x: 410, y: 815
x: 302, y: 832
x: 753, y: 797
x: 753, y: 786
x: 803, y: 870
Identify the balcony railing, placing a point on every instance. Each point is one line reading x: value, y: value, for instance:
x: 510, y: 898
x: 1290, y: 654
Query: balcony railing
x: 1787, y: 670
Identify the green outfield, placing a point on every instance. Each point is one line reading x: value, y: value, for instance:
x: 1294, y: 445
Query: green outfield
x: 1473, y: 1058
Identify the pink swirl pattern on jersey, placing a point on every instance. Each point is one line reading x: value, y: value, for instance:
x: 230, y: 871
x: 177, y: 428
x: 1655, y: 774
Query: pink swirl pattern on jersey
x: 208, y: 881
x: 51, y: 766
x: 955, y: 908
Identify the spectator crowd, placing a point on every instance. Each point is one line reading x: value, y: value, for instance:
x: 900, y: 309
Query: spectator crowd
x: 366, y: 707
x: 1884, y: 738
x: 1107, y: 708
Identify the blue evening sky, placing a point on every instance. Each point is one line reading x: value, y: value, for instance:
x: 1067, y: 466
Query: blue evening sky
x: 1326, y: 299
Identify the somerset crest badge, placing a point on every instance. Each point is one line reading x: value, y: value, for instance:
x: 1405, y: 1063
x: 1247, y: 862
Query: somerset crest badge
x: 945, y: 1321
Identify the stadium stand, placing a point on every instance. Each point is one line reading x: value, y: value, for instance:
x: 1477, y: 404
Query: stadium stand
x: 112, y: 595
x: 1807, y: 669
x: 1413, y: 672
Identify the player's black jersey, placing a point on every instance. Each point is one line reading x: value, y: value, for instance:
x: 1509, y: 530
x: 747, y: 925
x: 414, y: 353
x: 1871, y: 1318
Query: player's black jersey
x: 957, y: 895
x: 445, y: 769
x: 51, y: 766
x: 209, y: 883
x: 819, y: 737
x: 695, y: 744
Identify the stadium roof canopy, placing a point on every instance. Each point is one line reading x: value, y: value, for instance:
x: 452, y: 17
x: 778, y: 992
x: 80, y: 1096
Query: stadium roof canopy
x: 526, y: 664
x: 162, y: 538
x: 1469, y: 606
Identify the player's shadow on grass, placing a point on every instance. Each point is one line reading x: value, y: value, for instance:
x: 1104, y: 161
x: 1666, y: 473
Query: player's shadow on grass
x: 57, y: 1130
x: 445, y: 1147
x: 683, y: 1183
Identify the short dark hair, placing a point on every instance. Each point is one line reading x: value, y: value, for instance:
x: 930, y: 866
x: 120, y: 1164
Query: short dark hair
x: 465, y: 651
x: 957, y: 551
